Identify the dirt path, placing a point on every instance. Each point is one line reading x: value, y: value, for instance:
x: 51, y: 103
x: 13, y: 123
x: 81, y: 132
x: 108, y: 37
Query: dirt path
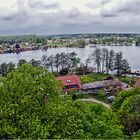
x: 97, y: 101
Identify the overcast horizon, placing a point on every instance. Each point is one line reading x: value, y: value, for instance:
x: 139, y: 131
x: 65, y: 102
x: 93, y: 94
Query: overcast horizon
x: 46, y: 17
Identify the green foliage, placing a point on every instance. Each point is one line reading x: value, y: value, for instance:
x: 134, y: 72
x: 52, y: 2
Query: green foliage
x: 122, y: 96
x: 127, y: 107
x: 127, y: 80
x: 129, y: 114
x: 121, y: 65
x: 81, y: 120
x: 136, y: 135
x: 32, y: 107
x: 100, y: 94
x: 6, y: 68
x: 21, y: 38
x: 86, y: 79
x: 93, y: 77
x: 24, y: 94
x: 21, y: 62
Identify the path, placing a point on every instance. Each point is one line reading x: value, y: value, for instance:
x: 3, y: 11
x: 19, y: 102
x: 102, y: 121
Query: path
x: 97, y: 101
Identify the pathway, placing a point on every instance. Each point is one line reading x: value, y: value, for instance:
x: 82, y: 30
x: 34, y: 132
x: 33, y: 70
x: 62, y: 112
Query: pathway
x: 97, y: 101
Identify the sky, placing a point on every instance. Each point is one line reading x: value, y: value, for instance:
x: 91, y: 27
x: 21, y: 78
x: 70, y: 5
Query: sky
x: 43, y: 17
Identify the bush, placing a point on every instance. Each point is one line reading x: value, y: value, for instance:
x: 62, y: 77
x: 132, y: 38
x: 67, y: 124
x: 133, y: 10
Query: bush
x: 122, y: 96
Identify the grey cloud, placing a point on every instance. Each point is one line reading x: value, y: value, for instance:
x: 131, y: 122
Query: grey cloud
x: 74, y: 13
x: 27, y: 20
x: 7, y: 18
x: 97, y: 4
x: 110, y: 15
x: 104, y: 2
x: 129, y: 7
x: 39, y: 4
x: 52, y: 6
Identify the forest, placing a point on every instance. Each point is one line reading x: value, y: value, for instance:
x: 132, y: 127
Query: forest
x: 33, y: 106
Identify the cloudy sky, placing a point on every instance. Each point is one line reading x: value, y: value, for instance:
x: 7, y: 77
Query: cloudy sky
x: 68, y: 16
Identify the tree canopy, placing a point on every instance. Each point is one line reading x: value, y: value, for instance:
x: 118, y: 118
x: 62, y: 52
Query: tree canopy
x: 127, y: 109
x: 33, y: 106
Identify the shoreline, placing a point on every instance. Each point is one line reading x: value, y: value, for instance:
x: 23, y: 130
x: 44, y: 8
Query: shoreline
x: 19, y: 50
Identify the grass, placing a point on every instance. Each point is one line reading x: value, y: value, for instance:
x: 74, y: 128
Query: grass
x: 128, y: 80
x: 101, y: 97
x: 93, y: 77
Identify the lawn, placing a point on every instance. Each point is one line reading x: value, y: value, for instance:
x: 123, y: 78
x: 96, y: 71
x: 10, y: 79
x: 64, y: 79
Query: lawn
x: 128, y: 80
x: 93, y: 77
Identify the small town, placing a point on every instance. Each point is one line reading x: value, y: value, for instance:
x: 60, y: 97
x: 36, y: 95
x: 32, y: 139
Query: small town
x: 16, y: 44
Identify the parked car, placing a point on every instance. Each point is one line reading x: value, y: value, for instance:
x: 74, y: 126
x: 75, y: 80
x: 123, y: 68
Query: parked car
x: 111, y: 98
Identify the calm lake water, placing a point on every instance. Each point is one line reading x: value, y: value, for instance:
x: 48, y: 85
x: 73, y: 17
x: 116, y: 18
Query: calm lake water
x: 131, y: 53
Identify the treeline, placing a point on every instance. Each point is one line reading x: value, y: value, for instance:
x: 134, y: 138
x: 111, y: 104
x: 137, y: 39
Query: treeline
x: 109, y: 61
x: 104, y: 60
x: 17, y: 39
x: 59, y: 63
x: 23, y: 38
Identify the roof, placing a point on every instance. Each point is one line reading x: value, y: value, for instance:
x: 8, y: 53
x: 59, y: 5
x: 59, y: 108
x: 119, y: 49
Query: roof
x: 101, y: 84
x: 70, y: 80
x: 137, y: 84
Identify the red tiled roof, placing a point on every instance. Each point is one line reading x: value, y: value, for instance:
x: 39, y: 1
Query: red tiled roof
x: 70, y: 80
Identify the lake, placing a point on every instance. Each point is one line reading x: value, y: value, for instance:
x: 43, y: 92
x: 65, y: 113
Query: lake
x: 131, y: 53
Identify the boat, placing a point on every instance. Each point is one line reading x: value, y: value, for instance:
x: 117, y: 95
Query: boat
x: 81, y: 46
x: 93, y: 46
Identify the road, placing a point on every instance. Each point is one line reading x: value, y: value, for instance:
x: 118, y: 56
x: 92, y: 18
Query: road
x: 97, y: 101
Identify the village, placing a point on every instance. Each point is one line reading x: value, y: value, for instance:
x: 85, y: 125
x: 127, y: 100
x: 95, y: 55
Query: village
x: 16, y: 44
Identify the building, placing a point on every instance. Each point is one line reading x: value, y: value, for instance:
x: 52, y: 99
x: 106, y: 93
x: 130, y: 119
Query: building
x: 106, y: 84
x: 70, y: 82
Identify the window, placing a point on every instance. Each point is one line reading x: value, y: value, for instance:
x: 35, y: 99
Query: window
x: 68, y: 81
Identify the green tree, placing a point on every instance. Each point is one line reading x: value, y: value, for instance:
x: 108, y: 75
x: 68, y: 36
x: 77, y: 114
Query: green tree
x: 24, y: 97
x: 21, y: 62
x: 6, y: 68
x: 44, y: 61
x: 127, y: 107
x: 31, y: 108
x: 73, y: 61
x: 82, y: 42
x: 121, y: 65
x: 72, y: 120
x: 50, y: 62
x: 96, y: 56
x: 129, y: 114
x: 57, y: 61
x: 111, y: 60
x: 36, y: 63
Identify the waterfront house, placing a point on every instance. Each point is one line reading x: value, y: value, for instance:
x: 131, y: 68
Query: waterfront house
x: 70, y: 82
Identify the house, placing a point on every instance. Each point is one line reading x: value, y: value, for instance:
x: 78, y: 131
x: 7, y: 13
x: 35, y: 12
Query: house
x: 106, y: 84
x: 70, y: 82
